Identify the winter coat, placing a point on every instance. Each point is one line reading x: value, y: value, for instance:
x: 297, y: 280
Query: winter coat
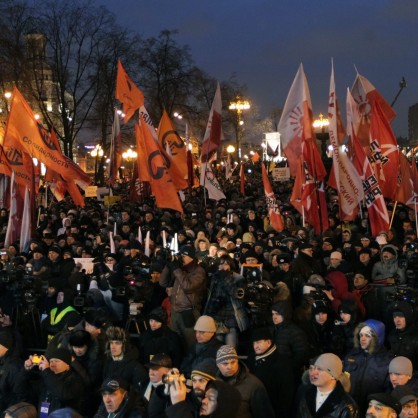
x: 188, y: 288
x: 199, y: 352
x: 276, y: 373
x: 338, y: 404
x: 162, y: 340
x: 13, y: 386
x: 368, y: 369
x: 129, y: 368
x: 255, y: 402
x: 388, y: 269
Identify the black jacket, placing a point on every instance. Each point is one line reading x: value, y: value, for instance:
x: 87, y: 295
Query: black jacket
x: 338, y: 404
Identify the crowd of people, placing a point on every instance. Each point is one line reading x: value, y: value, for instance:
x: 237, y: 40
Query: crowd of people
x: 241, y: 321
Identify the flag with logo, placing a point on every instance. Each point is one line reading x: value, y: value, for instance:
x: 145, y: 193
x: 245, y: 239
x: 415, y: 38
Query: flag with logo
x: 209, y: 181
x: 213, y: 133
x: 373, y: 196
x: 162, y: 184
x: 343, y: 177
x: 127, y: 93
x: 275, y: 217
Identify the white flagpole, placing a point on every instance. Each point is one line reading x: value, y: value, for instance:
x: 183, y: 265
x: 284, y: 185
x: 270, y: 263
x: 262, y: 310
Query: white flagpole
x: 147, y: 240
x: 164, y: 239
x: 139, y: 234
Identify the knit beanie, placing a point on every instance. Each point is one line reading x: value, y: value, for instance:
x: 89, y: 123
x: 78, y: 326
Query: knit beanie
x: 206, y: 368
x: 158, y: 314
x: 331, y: 364
x: 226, y: 352
x: 59, y: 353
x: 205, y: 323
x: 401, y: 365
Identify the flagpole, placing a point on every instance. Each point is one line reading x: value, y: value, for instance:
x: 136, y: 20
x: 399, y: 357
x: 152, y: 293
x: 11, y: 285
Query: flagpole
x: 393, y: 214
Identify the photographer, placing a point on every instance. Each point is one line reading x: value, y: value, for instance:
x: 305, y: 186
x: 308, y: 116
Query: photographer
x: 222, y: 302
x: 185, y: 281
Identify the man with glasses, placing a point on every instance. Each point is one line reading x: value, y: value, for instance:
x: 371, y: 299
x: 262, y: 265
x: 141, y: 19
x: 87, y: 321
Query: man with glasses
x: 325, y: 395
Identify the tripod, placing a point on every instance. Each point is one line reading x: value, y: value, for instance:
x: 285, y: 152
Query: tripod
x: 135, y: 321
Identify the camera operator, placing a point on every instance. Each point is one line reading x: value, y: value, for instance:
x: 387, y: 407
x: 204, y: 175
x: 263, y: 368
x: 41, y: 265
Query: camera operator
x: 223, y: 303
x: 185, y: 281
x: 251, y: 259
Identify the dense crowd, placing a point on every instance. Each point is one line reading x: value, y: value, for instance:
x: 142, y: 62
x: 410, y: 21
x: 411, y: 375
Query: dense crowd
x: 240, y: 321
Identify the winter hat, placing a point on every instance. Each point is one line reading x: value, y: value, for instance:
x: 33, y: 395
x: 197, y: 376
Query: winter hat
x: 404, y: 394
x: 387, y: 400
x: 231, y: 226
x: 389, y: 249
x: 305, y: 245
x: 348, y: 306
x: 248, y: 237
x: 6, y: 340
x: 158, y: 314
x: 59, y: 353
x: 95, y: 318
x: 206, y: 368
x: 226, y: 352
x: 365, y: 251
x: 283, y: 308
x: 187, y: 250
x: 404, y: 309
x: 113, y: 384
x: 378, y: 328
x: 79, y: 338
x: 330, y: 363
x: 160, y: 360
x: 55, y: 249
x: 261, y: 334
x: 320, y: 306
x: 401, y: 365
x: 205, y: 323
x: 283, y: 258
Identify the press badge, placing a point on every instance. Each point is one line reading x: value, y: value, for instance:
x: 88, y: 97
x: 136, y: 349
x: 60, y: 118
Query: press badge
x: 43, y: 412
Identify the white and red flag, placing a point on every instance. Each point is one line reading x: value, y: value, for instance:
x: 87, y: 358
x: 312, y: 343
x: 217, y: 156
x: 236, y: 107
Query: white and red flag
x: 343, y: 177
x: 276, y: 219
x: 208, y: 180
x: 375, y: 202
x: 213, y: 133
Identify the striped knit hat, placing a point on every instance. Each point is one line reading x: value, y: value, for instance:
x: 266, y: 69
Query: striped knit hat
x: 206, y: 368
x: 226, y: 352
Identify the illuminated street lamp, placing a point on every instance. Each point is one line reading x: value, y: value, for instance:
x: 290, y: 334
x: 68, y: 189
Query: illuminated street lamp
x: 130, y: 156
x: 321, y: 131
x: 230, y: 149
x: 239, y: 106
x: 97, y: 152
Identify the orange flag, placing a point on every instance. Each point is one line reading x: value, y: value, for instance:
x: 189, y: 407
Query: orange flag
x: 141, y: 162
x: 162, y: 184
x: 405, y: 192
x: 170, y: 140
x: 276, y: 219
x: 255, y: 158
x: 128, y: 93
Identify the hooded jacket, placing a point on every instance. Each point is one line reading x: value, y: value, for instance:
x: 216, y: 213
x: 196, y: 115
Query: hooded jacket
x: 368, y: 368
x: 388, y: 269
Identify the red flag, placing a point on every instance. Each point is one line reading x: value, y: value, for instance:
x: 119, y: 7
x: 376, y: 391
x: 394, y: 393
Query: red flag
x: 255, y: 158
x: 128, y: 93
x: 343, y: 177
x: 116, y: 151
x: 295, y: 128
x: 296, y: 197
x: 242, y: 179
x: 162, y: 184
x: 375, y: 202
x: 405, y: 192
x: 276, y: 219
x: 213, y: 134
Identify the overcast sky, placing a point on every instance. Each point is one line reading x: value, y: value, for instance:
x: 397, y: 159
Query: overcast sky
x: 264, y: 41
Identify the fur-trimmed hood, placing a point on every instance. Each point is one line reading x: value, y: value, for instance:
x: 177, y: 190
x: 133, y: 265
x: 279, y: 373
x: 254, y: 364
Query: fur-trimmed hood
x: 378, y: 334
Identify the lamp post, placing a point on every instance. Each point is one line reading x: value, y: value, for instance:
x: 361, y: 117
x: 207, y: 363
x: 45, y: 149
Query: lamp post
x: 130, y: 156
x: 321, y: 133
x: 239, y: 106
x: 97, y: 152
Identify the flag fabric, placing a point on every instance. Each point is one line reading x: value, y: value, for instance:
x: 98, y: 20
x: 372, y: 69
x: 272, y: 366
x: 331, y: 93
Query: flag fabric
x: 115, y: 150
x: 242, y: 179
x: 209, y: 181
x: 127, y: 93
x: 213, y: 133
x: 14, y: 157
x: 14, y: 224
x: 373, y: 196
x: 169, y: 138
x: 275, y: 217
x: 4, y: 194
x: 366, y: 97
x: 405, y: 191
x: 228, y: 167
x: 26, y: 229
x: 255, y: 158
x: 141, y: 161
x: 143, y: 112
x: 295, y: 126
x: 343, y: 177
x: 162, y: 184
x: 384, y: 153
x: 296, y: 196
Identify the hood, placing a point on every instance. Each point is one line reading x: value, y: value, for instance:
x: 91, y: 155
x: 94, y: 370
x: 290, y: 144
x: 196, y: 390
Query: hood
x: 284, y: 308
x: 378, y: 334
x: 339, y: 283
x: 229, y: 399
x: 391, y: 248
x: 405, y: 308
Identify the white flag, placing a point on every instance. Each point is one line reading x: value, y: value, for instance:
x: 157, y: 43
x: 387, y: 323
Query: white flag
x: 208, y: 180
x: 25, y: 232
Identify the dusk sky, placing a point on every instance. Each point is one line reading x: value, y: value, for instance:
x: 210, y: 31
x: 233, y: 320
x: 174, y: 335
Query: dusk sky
x: 264, y: 41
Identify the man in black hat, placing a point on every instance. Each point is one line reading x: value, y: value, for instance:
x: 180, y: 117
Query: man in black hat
x: 408, y: 399
x: 185, y: 281
x: 274, y: 369
x: 305, y: 264
x: 60, y: 268
x: 383, y: 405
x: 118, y: 400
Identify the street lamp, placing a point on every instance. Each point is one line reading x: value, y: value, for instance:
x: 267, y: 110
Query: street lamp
x: 97, y: 152
x: 321, y: 133
x: 130, y: 156
x: 239, y: 106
